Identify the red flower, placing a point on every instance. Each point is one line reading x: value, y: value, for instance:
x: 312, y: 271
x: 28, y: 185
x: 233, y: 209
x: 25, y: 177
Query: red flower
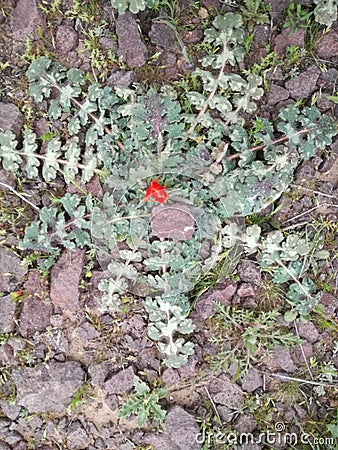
x: 156, y: 192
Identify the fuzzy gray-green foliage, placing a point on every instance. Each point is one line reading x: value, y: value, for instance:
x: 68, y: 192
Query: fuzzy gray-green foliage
x: 133, y: 136
x: 326, y: 11
x: 288, y: 257
x: 133, y: 6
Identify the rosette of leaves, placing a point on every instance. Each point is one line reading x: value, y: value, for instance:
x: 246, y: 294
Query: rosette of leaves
x: 133, y: 6
x: 224, y: 93
x: 288, y: 257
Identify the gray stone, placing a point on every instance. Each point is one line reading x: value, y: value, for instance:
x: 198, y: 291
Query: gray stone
x: 246, y: 290
x: 87, y: 332
x: 131, y: 47
x: 12, y: 272
x: 249, y: 271
x: 330, y: 303
x: 304, y: 84
x: 222, y: 293
x: 26, y: 20
x: 173, y: 221
x: 35, y: 316
x: 7, y: 311
x: 163, y: 36
x: 65, y: 278
x: 181, y: 432
x: 252, y: 380
x: 47, y: 388
x: 245, y: 423
x: 277, y: 94
x: 121, y: 382
x: 301, y: 354
x: 66, y: 39
x: 11, y: 118
x: 170, y: 376
x: 327, y: 47
x: 77, y: 438
x: 282, y: 358
x: 284, y: 39
x: 121, y: 78
x: 98, y: 373
x: 226, y: 393
x: 10, y: 411
x: 308, y: 331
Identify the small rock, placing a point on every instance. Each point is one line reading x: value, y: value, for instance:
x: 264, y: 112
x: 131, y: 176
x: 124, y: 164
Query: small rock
x: 77, y: 438
x: 65, y: 279
x: 7, y: 311
x: 10, y: 411
x: 252, y: 380
x: 112, y: 401
x: 12, y: 271
x: 121, y: 78
x: 308, y: 331
x: 301, y: 354
x: 36, y: 283
x: 190, y: 369
x: 98, y: 373
x: 163, y: 36
x: 35, y: 316
x: 66, y: 40
x: 181, y: 432
x: 11, y: 118
x: 262, y: 34
x: 148, y: 357
x: 47, y: 388
x: 277, y: 7
x: 170, y: 377
x: 248, y: 271
x: 193, y: 36
x: 121, y: 382
x: 245, y: 423
x: 172, y: 221
x: 131, y: 47
x: 282, y: 358
x: 277, y: 94
x: 226, y: 393
x: 216, y: 4
x: 304, y: 84
x: 108, y: 43
x: 226, y: 414
x: 246, y: 290
x: 87, y: 332
x: 283, y: 40
x: 26, y: 20
x: 330, y: 303
x: 222, y: 293
x: 327, y: 47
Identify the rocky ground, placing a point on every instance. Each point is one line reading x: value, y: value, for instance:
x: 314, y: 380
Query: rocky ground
x: 66, y: 368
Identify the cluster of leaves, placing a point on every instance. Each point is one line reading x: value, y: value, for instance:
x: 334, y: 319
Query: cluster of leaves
x: 133, y: 136
x: 133, y: 6
x: 144, y: 403
x: 326, y: 11
x: 246, y: 336
x: 288, y: 257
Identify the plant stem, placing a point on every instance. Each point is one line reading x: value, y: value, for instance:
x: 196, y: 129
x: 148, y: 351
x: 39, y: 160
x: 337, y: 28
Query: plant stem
x: 208, y: 100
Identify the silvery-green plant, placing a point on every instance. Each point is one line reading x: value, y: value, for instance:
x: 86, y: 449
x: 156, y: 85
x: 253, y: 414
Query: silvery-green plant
x: 133, y: 6
x: 289, y: 258
x: 131, y: 137
x: 326, y: 11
